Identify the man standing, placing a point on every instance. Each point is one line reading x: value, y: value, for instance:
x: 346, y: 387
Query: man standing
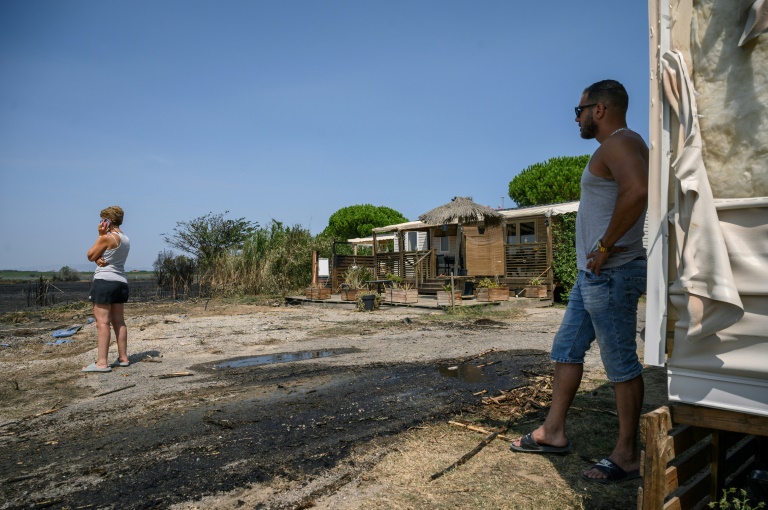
x: 612, y: 276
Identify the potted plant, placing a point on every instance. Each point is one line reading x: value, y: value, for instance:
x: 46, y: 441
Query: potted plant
x: 318, y: 291
x: 368, y: 300
x: 354, y: 282
x: 491, y: 290
x: 444, y: 296
x: 536, y: 288
x: 401, y: 291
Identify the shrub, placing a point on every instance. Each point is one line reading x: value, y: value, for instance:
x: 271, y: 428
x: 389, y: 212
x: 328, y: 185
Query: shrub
x: 489, y: 284
x: 66, y: 274
x: 275, y: 260
x: 175, y: 273
x: 209, y: 236
x: 564, y: 252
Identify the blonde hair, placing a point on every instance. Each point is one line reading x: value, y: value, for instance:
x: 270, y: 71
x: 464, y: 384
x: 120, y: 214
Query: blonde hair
x: 114, y: 214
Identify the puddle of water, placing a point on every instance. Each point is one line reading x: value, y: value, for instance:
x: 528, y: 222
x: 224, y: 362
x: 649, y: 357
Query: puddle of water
x: 466, y: 373
x: 283, y: 357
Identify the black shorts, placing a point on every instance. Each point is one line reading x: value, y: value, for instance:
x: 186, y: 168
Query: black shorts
x: 108, y: 292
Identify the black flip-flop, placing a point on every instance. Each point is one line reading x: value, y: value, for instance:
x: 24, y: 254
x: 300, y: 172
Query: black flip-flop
x: 614, y: 473
x: 529, y: 445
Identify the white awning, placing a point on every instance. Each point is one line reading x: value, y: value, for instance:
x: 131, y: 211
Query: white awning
x: 537, y: 210
x: 369, y: 240
x: 411, y: 225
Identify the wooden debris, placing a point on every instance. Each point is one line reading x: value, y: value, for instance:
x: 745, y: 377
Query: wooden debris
x: 475, y: 428
x: 114, y: 391
x: 173, y: 374
x: 480, y: 393
x: 49, y: 411
x: 464, y: 458
x: 521, y: 400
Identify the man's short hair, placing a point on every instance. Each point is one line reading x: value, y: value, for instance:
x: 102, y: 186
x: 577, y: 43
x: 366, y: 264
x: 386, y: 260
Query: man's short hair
x: 610, y: 93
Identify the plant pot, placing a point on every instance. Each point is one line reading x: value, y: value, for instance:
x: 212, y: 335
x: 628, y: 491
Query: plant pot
x: 348, y: 294
x: 402, y: 296
x: 535, y: 291
x: 498, y: 294
x: 315, y: 293
x: 444, y: 298
x: 369, y: 302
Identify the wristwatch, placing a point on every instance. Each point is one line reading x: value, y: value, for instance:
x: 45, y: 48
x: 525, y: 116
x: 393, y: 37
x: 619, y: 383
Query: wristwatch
x: 603, y: 249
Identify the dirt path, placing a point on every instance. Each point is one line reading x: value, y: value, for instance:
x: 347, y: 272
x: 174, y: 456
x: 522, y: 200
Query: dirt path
x: 338, y: 390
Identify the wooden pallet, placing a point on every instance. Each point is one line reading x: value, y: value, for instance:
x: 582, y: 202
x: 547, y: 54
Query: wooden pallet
x: 692, y: 453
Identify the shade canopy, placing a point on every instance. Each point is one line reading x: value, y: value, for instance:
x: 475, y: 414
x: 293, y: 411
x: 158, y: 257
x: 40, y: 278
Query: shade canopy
x: 461, y: 210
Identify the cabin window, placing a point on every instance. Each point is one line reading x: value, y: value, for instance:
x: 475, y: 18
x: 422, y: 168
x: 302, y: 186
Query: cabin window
x: 413, y: 241
x: 445, y: 243
x: 521, y: 232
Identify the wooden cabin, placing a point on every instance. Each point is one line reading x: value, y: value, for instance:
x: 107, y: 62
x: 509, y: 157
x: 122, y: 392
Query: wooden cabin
x: 514, y: 252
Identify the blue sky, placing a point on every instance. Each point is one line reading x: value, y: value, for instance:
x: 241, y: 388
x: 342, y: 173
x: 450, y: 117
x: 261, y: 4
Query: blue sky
x: 286, y: 110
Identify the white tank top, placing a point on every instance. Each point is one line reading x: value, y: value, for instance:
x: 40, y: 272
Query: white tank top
x: 115, y: 258
x: 598, y: 199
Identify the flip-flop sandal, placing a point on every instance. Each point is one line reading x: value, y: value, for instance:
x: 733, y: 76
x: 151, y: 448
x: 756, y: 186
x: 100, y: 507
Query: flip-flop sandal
x: 93, y: 367
x: 613, y: 472
x: 118, y: 363
x: 529, y: 445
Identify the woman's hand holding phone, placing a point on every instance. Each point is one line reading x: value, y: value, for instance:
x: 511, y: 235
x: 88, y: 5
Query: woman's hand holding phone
x: 104, y: 227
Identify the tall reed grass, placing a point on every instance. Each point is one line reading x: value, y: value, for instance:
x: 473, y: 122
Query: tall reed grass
x: 275, y: 260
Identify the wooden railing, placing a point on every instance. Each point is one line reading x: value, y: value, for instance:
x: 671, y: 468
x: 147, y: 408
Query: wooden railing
x: 526, y: 260
x: 343, y: 263
x: 407, y: 264
x: 424, y: 268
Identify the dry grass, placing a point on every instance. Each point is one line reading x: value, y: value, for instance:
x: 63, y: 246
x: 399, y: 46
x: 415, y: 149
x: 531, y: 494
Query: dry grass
x: 496, y: 478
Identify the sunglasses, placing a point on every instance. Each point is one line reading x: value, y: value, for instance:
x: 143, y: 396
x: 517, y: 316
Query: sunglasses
x: 580, y: 109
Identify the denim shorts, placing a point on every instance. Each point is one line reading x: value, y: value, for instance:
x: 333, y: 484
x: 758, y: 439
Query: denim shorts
x: 604, y: 307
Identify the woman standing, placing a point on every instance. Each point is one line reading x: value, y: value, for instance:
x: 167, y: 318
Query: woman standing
x: 109, y: 290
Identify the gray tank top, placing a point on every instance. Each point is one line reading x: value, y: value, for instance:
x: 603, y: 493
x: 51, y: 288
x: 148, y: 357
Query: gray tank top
x: 116, y: 258
x: 598, y: 198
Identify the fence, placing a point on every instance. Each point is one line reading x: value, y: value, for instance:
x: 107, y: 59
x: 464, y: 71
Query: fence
x: 42, y: 292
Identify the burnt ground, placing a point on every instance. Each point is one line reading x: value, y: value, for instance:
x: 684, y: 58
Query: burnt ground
x: 16, y: 297
x: 252, y: 424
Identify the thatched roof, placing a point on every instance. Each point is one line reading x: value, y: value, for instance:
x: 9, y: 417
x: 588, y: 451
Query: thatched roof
x: 461, y: 210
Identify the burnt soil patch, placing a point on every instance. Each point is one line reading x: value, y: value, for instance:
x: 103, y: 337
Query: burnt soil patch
x: 250, y: 424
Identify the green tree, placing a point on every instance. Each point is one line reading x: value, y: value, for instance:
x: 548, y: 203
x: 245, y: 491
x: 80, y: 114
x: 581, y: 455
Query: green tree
x: 556, y: 180
x: 66, y: 274
x: 360, y: 220
x: 209, y: 236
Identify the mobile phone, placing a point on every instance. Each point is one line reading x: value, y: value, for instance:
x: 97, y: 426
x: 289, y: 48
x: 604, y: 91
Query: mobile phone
x: 107, y: 223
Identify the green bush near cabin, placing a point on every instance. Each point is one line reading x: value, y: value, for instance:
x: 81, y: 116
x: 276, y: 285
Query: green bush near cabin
x: 564, y: 252
x: 554, y: 181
